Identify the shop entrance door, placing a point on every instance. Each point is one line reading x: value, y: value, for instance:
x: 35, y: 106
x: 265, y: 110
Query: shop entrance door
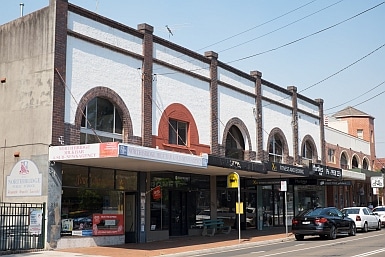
x: 130, y: 218
x: 178, y: 213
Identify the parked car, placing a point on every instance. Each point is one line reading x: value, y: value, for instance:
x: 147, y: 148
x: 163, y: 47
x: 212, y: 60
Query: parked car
x: 380, y: 211
x: 326, y: 222
x: 364, y: 217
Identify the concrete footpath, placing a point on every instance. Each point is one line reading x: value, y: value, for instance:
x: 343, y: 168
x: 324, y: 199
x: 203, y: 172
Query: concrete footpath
x: 175, y: 246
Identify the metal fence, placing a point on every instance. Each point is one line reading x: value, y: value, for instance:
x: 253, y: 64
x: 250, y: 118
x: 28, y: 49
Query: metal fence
x: 22, y: 226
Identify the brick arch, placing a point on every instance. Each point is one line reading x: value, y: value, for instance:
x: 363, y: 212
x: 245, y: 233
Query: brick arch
x: 179, y: 112
x: 359, y: 164
x: 242, y: 127
x: 116, y: 100
x: 367, y: 162
x: 343, y: 152
x: 310, y: 139
x: 281, y: 135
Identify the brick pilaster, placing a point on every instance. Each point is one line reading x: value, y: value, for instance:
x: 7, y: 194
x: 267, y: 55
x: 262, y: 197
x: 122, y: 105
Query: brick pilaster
x: 258, y: 113
x: 214, y: 101
x: 147, y: 65
x: 294, y: 123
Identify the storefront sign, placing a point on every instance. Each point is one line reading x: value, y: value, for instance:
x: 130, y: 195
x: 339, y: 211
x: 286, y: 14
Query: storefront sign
x: 319, y: 170
x: 236, y: 164
x: 335, y: 183
x: 107, y: 224
x: 85, y: 151
x: 24, y: 180
x: 287, y: 169
x: 157, y: 155
x: 302, y: 181
x: 157, y: 193
x: 35, y: 221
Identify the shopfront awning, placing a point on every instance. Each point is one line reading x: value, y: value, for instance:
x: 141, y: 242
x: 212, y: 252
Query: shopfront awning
x: 353, y: 175
x: 114, y: 155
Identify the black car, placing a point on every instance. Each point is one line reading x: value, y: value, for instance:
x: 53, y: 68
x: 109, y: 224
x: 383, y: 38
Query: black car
x: 327, y: 222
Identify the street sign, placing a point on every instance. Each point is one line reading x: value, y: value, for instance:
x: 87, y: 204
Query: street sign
x: 377, y: 182
x: 232, y: 180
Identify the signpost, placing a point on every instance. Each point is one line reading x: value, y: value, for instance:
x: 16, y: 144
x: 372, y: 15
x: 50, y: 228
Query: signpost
x: 377, y: 182
x: 233, y: 182
x: 284, y: 189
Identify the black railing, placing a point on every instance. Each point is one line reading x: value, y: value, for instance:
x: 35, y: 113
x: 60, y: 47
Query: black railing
x: 22, y: 226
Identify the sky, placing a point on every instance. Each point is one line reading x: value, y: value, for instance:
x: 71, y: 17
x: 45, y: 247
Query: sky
x: 328, y: 49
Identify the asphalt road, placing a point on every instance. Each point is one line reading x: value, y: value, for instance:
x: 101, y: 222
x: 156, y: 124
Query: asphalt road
x: 363, y: 244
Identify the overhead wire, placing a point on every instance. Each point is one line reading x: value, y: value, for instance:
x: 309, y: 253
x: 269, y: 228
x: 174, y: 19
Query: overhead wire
x: 250, y: 29
x: 287, y: 25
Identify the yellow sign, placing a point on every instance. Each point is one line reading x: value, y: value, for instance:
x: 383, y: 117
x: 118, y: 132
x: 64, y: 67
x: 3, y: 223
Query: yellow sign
x: 239, y: 208
x: 232, y: 180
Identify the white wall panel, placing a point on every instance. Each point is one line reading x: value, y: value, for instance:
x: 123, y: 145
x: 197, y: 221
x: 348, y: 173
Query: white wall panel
x: 276, y: 116
x: 180, y: 60
x: 180, y: 88
x: 236, y: 80
x: 233, y: 104
x: 307, y: 107
x: 276, y: 95
x: 308, y: 125
x: 90, y: 66
x: 104, y: 33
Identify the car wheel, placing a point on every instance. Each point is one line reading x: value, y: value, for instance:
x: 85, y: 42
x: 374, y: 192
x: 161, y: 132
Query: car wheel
x: 379, y: 226
x: 299, y: 237
x: 332, y: 233
x: 352, y: 230
x: 365, y: 228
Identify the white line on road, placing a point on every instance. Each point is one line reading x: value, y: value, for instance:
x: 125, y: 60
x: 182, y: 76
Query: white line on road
x: 370, y: 253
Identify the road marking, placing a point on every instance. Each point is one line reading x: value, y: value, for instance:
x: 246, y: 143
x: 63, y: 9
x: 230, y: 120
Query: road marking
x: 370, y: 253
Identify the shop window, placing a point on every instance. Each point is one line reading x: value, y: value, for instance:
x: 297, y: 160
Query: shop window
x: 365, y: 164
x: 331, y: 155
x: 307, y: 151
x: 344, y: 162
x: 275, y: 149
x: 101, y: 122
x: 177, y: 132
x: 235, y: 145
x: 354, y: 162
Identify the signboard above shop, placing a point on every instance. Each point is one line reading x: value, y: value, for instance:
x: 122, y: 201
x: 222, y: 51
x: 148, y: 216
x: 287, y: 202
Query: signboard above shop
x: 322, y: 171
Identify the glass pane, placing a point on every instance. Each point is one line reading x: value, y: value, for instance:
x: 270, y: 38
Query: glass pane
x: 182, y: 133
x: 101, y: 178
x: 126, y: 180
x: 172, y: 132
x: 75, y: 176
x: 105, y: 119
x: 118, y: 123
x: 91, y: 114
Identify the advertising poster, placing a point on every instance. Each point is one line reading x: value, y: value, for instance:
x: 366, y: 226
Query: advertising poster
x: 107, y: 224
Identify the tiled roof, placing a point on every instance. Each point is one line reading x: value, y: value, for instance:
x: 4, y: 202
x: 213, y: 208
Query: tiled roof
x: 349, y: 112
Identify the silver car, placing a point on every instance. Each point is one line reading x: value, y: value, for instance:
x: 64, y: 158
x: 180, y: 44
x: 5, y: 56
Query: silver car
x: 380, y: 211
x: 364, y: 217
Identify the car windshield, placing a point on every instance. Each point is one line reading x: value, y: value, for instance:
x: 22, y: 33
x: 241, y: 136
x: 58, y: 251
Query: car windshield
x: 379, y: 209
x: 312, y: 212
x: 351, y: 211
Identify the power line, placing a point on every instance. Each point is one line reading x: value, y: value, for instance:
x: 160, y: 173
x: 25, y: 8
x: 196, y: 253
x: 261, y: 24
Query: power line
x: 305, y: 37
x: 287, y: 25
x: 355, y: 97
x: 260, y: 25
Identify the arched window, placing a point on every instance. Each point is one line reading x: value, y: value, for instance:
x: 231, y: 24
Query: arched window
x: 235, y: 144
x: 101, y: 122
x: 307, y: 151
x: 275, y: 149
x: 354, y: 162
x: 365, y: 164
x: 344, y: 162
